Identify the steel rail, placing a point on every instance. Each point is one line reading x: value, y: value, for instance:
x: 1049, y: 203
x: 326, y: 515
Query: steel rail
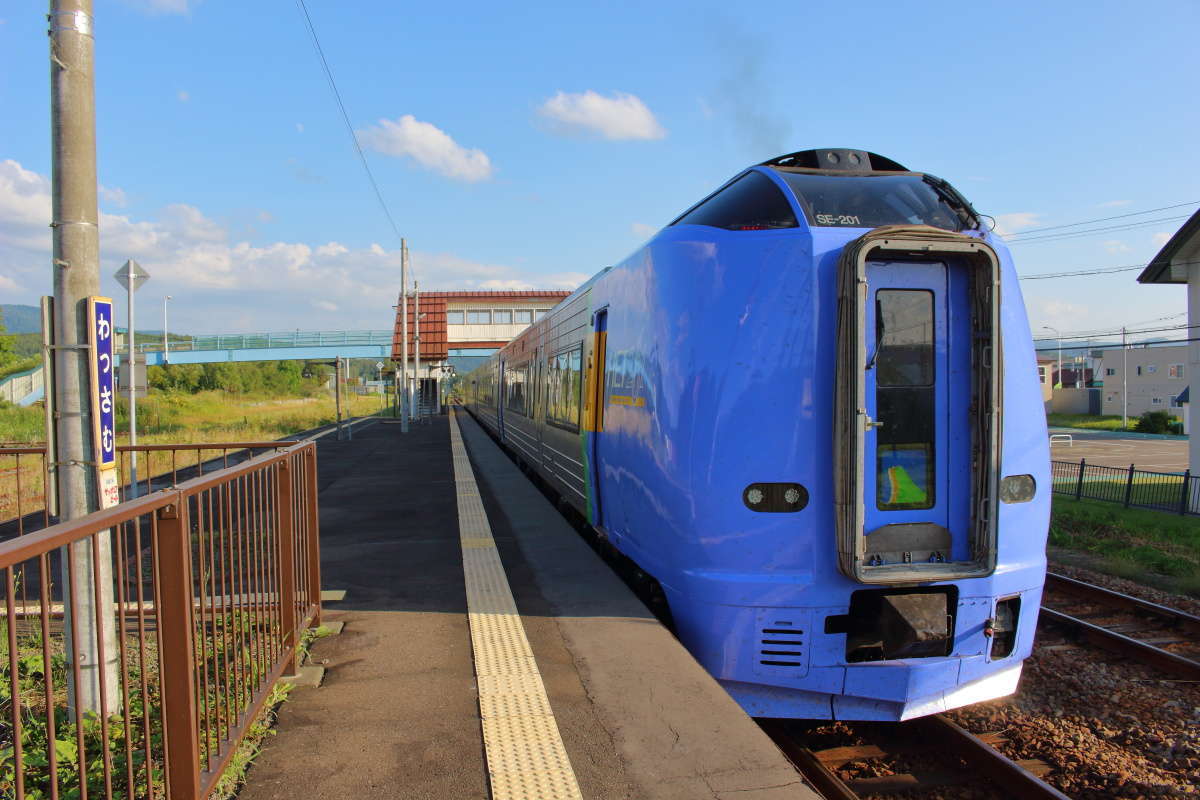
x: 1012, y: 779
x: 1124, y: 645
x: 816, y: 772
x: 1015, y: 780
x: 1123, y: 602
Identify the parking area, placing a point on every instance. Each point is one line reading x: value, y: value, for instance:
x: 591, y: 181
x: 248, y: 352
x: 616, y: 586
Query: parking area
x: 1154, y: 455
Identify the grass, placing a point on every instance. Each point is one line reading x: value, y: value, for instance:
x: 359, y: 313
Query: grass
x: 1093, y: 422
x: 170, y: 418
x: 1148, y: 489
x: 1151, y: 547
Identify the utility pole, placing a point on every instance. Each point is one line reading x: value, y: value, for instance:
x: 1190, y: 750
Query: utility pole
x: 1124, y: 382
x: 404, y: 336
x: 76, y: 268
x: 417, y: 345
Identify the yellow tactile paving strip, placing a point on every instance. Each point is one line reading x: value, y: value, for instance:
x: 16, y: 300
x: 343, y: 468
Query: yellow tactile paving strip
x: 525, y: 755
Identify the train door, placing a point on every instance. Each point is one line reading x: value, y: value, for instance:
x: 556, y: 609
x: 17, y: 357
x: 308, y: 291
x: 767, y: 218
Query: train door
x: 916, y: 448
x: 595, y: 388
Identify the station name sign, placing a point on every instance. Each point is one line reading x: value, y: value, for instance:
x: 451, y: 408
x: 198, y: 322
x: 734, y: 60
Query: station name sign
x: 101, y: 368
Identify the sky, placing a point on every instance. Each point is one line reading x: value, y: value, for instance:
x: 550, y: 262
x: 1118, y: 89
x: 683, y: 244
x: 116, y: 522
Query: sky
x: 529, y: 145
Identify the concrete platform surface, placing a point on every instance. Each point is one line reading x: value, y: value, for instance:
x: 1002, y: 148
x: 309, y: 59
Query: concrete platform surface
x: 397, y: 713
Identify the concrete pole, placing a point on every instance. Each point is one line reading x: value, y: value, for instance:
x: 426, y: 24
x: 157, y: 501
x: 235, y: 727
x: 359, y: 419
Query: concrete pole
x: 417, y: 347
x: 403, y: 381
x: 1124, y: 382
x: 76, y: 268
x: 133, y: 481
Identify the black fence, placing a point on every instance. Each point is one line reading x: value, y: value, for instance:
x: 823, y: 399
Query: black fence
x: 1131, y: 487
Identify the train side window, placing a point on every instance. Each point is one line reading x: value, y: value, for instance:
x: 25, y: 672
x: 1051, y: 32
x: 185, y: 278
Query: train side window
x: 517, y: 380
x: 565, y: 382
x: 751, y: 203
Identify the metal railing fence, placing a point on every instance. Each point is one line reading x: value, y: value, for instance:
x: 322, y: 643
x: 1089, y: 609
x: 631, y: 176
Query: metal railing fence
x: 212, y: 583
x: 253, y: 341
x: 25, y: 478
x: 1129, y: 486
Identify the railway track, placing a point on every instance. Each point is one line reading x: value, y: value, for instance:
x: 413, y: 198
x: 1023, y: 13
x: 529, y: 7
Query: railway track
x: 917, y: 757
x: 1161, y: 637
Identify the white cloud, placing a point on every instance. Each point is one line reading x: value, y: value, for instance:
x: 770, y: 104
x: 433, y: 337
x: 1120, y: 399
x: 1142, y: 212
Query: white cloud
x: 1113, y: 204
x: 222, y: 283
x: 114, y: 196
x: 1161, y: 238
x: 643, y: 231
x: 1019, y: 220
x: 183, y: 96
x: 299, y: 127
x: 163, y: 6
x: 1116, y: 246
x: 429, y: 146
x: 622, y: 116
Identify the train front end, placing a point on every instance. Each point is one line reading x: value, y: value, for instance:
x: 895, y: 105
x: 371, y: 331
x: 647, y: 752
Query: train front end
x: 894, y: 568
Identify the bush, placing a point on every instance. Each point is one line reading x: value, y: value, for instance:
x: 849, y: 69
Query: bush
x: 1154, y: 422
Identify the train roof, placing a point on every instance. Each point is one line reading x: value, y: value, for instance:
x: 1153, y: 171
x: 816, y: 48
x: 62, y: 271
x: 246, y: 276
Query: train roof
x: 836, y: 159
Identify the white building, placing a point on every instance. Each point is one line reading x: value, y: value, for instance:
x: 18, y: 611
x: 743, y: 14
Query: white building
x: 1179, y: 262
x: 1156, y: 377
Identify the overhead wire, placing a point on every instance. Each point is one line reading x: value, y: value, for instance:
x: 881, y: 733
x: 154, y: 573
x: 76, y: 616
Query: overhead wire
x: 337, y: 96
x: 1063, y: 235
x: 1106, y: 219
x: 1096, y: 271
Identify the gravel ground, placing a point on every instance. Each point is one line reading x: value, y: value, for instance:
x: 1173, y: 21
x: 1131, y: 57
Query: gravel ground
x: 1110, y: 728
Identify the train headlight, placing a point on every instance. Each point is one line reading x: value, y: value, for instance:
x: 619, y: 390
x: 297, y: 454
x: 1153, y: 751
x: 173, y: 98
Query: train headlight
x: 1017, y: 489
x: 775, y: 497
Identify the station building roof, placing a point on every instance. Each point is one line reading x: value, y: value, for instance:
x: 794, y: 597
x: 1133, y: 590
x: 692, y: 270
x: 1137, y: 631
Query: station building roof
x: 470, y: 319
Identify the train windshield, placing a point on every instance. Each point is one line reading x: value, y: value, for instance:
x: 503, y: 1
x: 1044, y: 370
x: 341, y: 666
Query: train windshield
x: 869, y: 201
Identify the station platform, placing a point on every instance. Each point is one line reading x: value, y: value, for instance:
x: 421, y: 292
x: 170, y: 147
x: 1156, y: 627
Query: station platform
x: 600, y: 702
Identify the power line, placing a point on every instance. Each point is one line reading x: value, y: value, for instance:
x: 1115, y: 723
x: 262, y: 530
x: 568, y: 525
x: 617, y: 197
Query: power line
x: 1130, y: 345
x: 1117, y: 332
x: 1106, y: 219
x: 1055, y: 237
x: 337, y: 96
x: 1095, y: 271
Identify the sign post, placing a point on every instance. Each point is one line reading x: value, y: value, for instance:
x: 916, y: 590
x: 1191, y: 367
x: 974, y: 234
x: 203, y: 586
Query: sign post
x: 132, y: 276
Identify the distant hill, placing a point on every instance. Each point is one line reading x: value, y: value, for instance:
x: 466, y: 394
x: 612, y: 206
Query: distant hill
x: 21, y: 319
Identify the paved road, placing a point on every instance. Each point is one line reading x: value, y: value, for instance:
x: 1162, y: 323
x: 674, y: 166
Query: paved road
x: 1155, y: 455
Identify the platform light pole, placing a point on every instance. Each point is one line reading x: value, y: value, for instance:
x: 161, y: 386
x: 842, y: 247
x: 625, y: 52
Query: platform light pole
x: 166, y: 341
x: 89, y: 624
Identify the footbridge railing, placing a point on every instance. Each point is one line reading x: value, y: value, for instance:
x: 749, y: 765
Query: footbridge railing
x: 208, y: 588
x: 251, y: 341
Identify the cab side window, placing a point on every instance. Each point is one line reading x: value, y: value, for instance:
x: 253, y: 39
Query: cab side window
x: 751, y: 203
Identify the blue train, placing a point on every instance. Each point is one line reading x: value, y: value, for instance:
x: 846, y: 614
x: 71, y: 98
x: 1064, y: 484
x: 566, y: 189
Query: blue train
x: 808, y: 409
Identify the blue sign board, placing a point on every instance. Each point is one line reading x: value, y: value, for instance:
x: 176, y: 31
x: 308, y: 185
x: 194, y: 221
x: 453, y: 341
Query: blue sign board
x: 102, y: 368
